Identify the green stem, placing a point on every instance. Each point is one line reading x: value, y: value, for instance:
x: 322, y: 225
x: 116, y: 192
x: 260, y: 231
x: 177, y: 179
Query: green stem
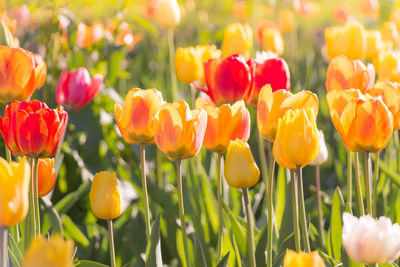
x: 4, y: 246
x: 220, y: 218
x: 270, y: 189
x: 8, y: 154
x: 303, y: 218
x: 295, y: 207
x: 144, y: 188
x: 358, y: 184
x: 319, y: 204
x: 375, y: 190
x: 30, y: 225
x: 250, y: 228
x: 349, y: 179
x: 111, y: 243
x: 36, y: 195
x: 160, y: 178
x: 368, y: 182
x: 182, y: 212
x: 172, y: 63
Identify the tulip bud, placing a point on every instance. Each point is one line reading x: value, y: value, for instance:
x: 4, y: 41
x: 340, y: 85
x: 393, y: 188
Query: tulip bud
x: 302, y: 259
x: 369, y: 241
x: 238, y: 39
x: 240, y: 169
x: 49, y: 253
x: 6, y: 37
x: 323, y: 151
x: 105, y: 199
x: 46, y: 176
x: 168, y: 13
x: 272, y: 40
x: 188, y: 64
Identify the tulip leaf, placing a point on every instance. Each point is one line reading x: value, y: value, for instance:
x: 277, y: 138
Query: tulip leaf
x: 15, y: 250
x: 73, y: 231
x: 336, y: 225
x: 14, y: 259
x: 389, y: 172
x: 224, y: 261
x: 85, y: 263
x: 199, y: 258
x: 237, y: 253
x: 179, y: 246
x: 280, y: 196
x: 154, y: 258
x: 238, y: 230
x: 67, y: 202
x: 261, y: 244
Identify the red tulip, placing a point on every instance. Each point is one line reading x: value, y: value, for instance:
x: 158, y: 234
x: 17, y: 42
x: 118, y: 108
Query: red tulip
x: 33, y: 129
x: 228, y: 80
x: 75, y: 89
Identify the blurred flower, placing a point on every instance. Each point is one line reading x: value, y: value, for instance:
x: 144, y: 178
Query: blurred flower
x: 6, y: 37
x: 228, y: 80
x: 387, y: 64
x: 369, y: 7
x: 395, y: 16
x: 308, y: 8
x: 46, y: 176
x: 239, y: 10
x: 287, y: 21
x: 225, y: 123
x: 273, y: 71
x: 168, y: 13
x: 75, y: 89
x: 374, y: 43
x: 49, y: 253
x: 134, y: 118
x: 188, y: 64
x: 32, y: 128
x: 323, y: 151
x: 296, y: 142
x: 10, y: 22
x: 302, y: 259
x: 22, y: 15
x: 261, y: 26
x: 14, y: 188
x: 369, y: 241
x: 178, y: 131
x: 390, y: 32
x: 343, y: 74
x: 238, y: 39
x: 149, y: 9
x: 240, y: 169
x: 105, y: 199
x: 272, y: 40
x: 126, y: 37
x: 342, y: 13
x: 364, y: 122
x: 87, y: 35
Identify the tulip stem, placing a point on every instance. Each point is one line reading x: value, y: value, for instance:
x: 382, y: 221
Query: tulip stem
x: 303, y: 218
x: 182, y: 212
x: 144, y: 188
x: 4, y: 246
x: 349, y: 179
x: 319, y: 204
x: 375, y: 190
x: 295, y: 207
x: 358, y: 183
x: 30, y: 222
x: 368, y: 184
x: 250, y: 228
x: 160, y: 178
x: 36, y: 195
x: 8, y: 154
x: 269, y: 188
x: 220, y: 218
x: 172, y: 63
x: 111, y: 243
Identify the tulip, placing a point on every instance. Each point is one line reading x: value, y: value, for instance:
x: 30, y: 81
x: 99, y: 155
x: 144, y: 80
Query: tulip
x: 364, y: 122
x: 308, y: 8
x: 344, y: 74
x: 14, y: 187
x: 207, y: 52
x: 228, y: 80
x: 188, y: 64
x: 105, y: 198
x: 167, y: 13
x: 225, y: 123
x: 296, y: 142
x: 46, y: 176
x: 126, y: 37
x: 323, y: 151
x: 40, y: 69
x: 134, y: 118
x: 179, y: 132
x: 272, y: 40
x: 238, y: 39
x: 240, y: 10
x: 261, y: 26
x: 6, y: 37
x: 287, y: 21
x: 395, y: 16
x: 32, y: 129
x: 388, y: 65
x: 369, y: 7
x: 302, y: 259
x: 390, y: 33
x: 49, y: 253
x: 370, y: 241
x: 374, y: 43
x: 87, y: 35
x: 75, y: 89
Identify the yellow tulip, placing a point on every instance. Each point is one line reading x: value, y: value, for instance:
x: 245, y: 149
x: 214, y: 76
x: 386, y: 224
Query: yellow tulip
x: 188, y: 64
x: 168, y: 13
x: 390, y: 32
x: 302, y: 259
x: 134, y: 118
x: 335, y: 45
x: 387, y: 65
x: 296, y: 142
x: 238, y: 39
x: 105, y: 199
x: 14, y: 188
x: 374, y: 43
x: 208, y: 52
x: 395, y: 16
x: 240, y: 169
x: 49, y: 253
x: 287, y: 20
x: 272, y: 40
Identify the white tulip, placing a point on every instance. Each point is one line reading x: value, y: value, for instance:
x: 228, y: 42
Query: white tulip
x: 323, y: 151
x: 369, y: 241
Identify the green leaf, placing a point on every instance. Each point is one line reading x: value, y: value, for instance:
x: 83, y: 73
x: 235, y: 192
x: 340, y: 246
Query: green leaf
x: 15, y: 250
x: 389, y: 172
x: 237, y: 253
x: 280, y: 196
x: 238, y: 230
x: 179, y: 246
x: 85, y: 263
x: 72, y: 231
x: 14, y: 259
x: 224, y: 261
x: 199, y: 258
x: 67, y: 202
x: 154, y: 257
x: 336, y: 225
x: 51, y: 219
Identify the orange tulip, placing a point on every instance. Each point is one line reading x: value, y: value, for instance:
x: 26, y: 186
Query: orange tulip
x: 40, y: 69
x: 134, y: 118
x: 240, y: 10
x: 88, y: 35
x: 344, y: 74
x: 225, y: 123
x: 46, y: 176
x: 178, y: 131
x: 364, y: 122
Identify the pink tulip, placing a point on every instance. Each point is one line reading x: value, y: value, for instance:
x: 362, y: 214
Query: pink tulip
x: 75, y: 89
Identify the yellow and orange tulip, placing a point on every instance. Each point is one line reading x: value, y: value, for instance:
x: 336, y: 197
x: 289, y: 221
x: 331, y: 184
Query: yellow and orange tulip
x: 188, y: 64
x: 14, y: 188
x: 238, y: 39
x: 302, y: 259
x: 272, y: 40
x: 240, y: 169
x: 178, y: 131
x: 46, y: 176
x: 134, y: 118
